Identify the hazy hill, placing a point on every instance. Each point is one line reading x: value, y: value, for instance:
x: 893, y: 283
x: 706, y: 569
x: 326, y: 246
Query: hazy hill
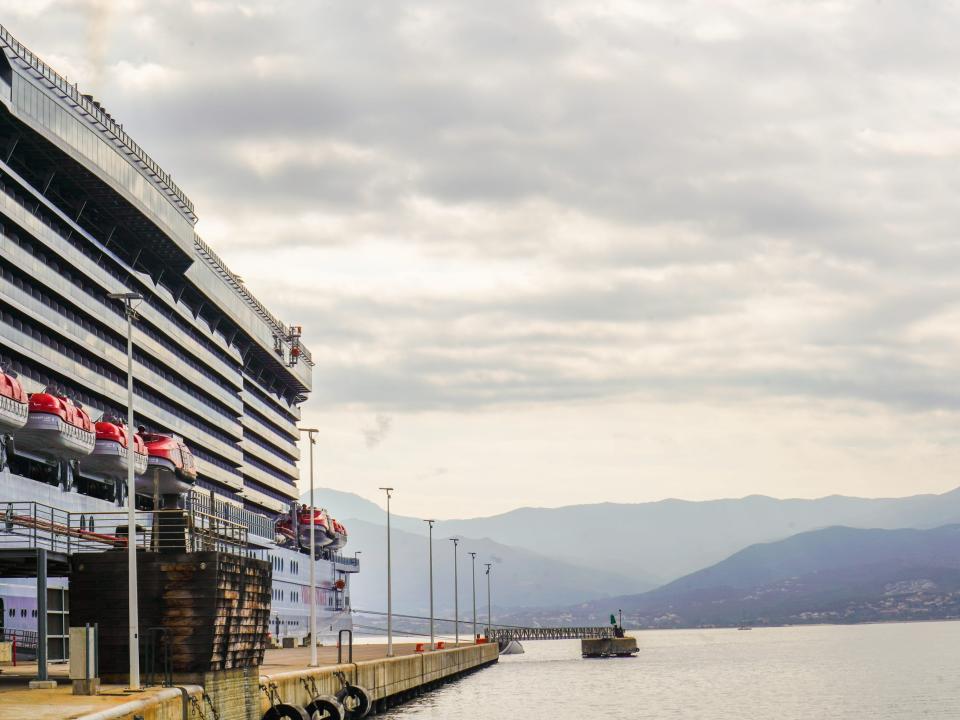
x: 346, y: 505
x: 837, y: 574
x: 520, y: 577
x: 665, y: 540
x: 647, y: 543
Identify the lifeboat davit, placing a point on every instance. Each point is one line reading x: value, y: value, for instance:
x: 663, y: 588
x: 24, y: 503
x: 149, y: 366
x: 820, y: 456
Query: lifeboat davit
x: 339, y: 534
x: 110, y: 456
x: 170, y: 465
x: 57, y: 427
x: 285, y: 536
x: 14, y: 404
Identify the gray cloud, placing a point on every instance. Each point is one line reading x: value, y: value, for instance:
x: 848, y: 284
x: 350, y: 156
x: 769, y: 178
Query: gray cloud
x: 701, y: 200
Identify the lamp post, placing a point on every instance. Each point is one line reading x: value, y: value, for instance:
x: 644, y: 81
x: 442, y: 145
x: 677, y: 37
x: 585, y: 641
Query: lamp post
x: 133, y: 613
x: 473, y: 574
x: 456, y: 595
x: 430, y: 523
x: 489, y: 606
x: 313, y: 556
x: 389, y: 490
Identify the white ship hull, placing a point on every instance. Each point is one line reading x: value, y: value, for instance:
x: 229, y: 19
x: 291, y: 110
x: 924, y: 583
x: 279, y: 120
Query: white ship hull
x: 290, y: 609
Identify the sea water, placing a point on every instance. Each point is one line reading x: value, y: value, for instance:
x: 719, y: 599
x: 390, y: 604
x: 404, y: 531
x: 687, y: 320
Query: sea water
x: 905, y: 671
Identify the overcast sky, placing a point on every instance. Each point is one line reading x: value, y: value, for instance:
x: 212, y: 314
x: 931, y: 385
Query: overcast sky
x: 558, y: 252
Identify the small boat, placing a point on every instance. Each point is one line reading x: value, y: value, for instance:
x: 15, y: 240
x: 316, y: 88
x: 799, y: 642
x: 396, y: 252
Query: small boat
x: 110, y: 456
x: 14, y: 404
x: 339, y: 534
x: 57, y: 427
x: 170, y: 465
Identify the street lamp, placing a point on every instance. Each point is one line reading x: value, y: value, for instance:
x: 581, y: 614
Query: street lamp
x: 389, y: 490
x: 313, y: 556
x: 489, y: 606
x: 430, y: 523
x: 133, y: 613
x: 456, y: 594
x: 473, y: 573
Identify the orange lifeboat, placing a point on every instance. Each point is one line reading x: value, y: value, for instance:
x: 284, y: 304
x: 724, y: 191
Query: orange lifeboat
x: 110, y: 456
x: 57, y: 427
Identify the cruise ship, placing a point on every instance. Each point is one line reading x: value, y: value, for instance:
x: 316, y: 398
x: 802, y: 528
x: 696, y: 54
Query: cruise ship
x: 219, y: 381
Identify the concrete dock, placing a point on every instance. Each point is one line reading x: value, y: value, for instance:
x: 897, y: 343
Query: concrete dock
x: 283, y: 674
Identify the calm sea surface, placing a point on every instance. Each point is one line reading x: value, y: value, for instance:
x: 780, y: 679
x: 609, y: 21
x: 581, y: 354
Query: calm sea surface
x: 800, y: 673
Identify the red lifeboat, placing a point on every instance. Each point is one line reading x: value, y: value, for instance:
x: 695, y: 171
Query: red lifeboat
x: 339, y: 534
x: 14, y: 404
x: 57, y: 427
x: 321, y: 531
x: 110, y: 456
x: 170, y: 467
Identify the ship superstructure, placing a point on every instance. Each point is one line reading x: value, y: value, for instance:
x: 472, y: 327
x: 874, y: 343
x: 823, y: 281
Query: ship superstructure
x: 85, y: 212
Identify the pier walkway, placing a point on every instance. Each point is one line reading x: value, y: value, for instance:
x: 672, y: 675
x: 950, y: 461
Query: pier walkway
x: 285, y: 671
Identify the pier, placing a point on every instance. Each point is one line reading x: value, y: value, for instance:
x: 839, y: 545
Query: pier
x: 282, y: 681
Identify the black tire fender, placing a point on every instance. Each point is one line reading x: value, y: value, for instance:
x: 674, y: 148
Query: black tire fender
x: 284, y: 711
x: 327, y: 708
x: 357, y: 701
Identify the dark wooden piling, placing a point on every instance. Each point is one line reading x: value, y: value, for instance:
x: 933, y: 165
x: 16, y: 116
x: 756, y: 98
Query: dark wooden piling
x: 213, y: 608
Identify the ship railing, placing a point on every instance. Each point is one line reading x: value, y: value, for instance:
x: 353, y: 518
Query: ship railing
x: 233, y: 280
x: 256, y: 524
x: 86, y: 104
x: 349, y: 561
x: 35, y: 525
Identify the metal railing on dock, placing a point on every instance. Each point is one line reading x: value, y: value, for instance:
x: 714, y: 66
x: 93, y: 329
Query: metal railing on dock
x: 34, y: 525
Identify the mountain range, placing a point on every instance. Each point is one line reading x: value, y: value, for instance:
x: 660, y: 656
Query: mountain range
x: 556, y: 557
x: 836, y: 574
x: 520, y: 577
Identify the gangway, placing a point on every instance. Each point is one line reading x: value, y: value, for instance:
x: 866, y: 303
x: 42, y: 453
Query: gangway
x: 506, y: 634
